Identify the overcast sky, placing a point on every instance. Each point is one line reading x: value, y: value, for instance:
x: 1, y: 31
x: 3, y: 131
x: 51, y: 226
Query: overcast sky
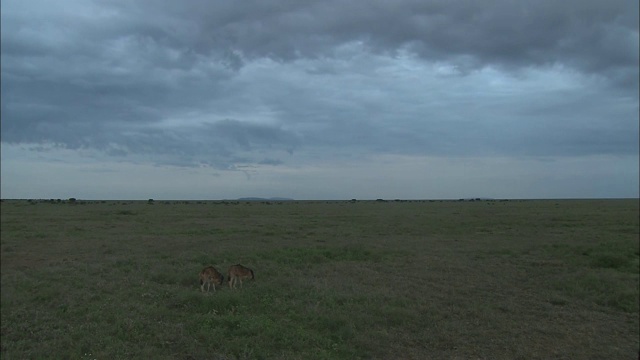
x: 410, y: 99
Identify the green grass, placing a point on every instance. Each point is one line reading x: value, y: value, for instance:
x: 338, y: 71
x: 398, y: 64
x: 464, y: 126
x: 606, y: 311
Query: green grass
x: 334, y: 280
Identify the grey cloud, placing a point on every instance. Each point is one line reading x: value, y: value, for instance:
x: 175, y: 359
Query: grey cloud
x: 221, y: 145
x: 246, y: 136
x: 267, y: 161
x: 82, y: 80
x: 592, y: 36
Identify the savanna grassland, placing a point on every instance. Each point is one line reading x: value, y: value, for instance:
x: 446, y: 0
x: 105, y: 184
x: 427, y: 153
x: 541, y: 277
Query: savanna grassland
x: 543, y: 279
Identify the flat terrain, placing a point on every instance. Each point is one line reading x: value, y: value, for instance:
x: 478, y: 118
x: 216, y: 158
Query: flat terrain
x: 543, y: 279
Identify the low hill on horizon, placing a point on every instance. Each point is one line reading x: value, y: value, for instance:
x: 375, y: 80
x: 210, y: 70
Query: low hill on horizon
x: 264, y: 199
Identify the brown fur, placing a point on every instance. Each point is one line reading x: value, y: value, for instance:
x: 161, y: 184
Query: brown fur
x: 210, y: 276
x: 238, y: 273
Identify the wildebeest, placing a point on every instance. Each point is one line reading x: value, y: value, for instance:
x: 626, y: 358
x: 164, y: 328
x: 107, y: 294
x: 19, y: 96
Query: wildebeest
x: 238, y: 273
x: 210, y: 276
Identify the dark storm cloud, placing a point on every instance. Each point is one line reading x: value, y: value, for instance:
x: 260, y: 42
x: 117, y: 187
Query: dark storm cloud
x: 112, y: 75
x: 595, y: 36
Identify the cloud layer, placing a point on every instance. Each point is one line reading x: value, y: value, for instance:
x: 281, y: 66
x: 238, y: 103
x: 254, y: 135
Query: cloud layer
x: 285, y: 84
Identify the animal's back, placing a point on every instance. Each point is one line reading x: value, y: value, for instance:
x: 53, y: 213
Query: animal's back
x: 239, y: 271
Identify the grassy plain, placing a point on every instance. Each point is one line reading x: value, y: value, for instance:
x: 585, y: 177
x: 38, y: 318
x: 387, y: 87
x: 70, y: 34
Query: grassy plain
x: 552, y: 279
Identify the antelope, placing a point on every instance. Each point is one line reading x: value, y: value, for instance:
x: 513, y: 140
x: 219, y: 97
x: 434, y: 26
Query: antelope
x: 210, y: 276
x: 238, y: 273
